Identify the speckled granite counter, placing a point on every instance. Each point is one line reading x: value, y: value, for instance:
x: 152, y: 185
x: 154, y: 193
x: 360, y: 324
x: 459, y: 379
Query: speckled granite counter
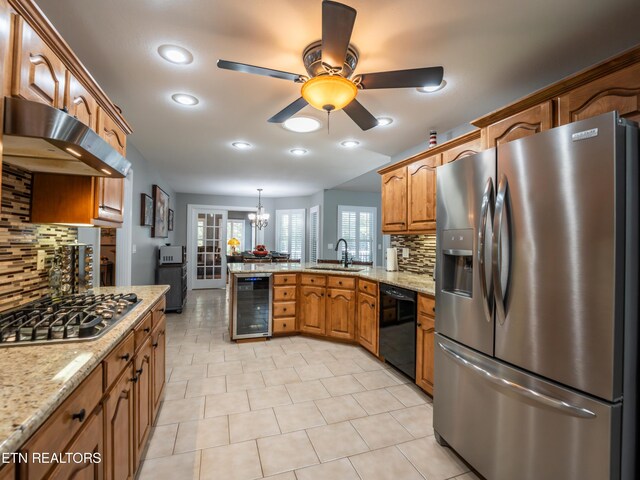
x: 35, y: 380
x: 412, y: 281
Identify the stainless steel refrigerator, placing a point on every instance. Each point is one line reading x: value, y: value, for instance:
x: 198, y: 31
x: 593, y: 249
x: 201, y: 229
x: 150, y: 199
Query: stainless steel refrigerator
x: 537, y: 305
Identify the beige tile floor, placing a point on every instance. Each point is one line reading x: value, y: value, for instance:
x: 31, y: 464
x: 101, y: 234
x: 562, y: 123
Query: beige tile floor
x: 292, y: 408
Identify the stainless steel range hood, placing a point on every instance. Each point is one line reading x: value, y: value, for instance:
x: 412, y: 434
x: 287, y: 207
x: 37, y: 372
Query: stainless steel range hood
x: 41, y: 138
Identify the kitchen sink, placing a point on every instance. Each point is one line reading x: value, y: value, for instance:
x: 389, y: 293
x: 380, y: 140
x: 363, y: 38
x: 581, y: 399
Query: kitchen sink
x: 338, y: 269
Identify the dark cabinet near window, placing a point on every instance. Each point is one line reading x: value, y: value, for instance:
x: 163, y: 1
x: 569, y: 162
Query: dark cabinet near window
x: 174, y: 275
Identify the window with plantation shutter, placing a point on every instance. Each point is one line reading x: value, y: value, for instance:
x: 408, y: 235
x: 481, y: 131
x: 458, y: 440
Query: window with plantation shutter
x: 314, y: 233
x: 357, y: 225
x: 290, y: 234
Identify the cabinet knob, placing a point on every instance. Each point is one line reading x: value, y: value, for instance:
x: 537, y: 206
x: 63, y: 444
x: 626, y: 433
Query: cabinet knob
x: 322, y: 295
x: 340, y: 283
x: 134, y: 379
x: 286, y: 279
x: 419, y: 324
x: 79, y: 416
x: 125, y: 357
x: 284, y: 325
x: 147, y: 330
x: 312, y: 280
x: 284, y: 309
x: 155, y: 345
x: 433, y: 309
x: 284, y: 294
x: 162, y: 310
x: 139, y: 372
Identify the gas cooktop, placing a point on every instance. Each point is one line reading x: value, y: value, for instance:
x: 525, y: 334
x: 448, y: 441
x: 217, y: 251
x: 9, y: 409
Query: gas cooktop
x: 64, y: 319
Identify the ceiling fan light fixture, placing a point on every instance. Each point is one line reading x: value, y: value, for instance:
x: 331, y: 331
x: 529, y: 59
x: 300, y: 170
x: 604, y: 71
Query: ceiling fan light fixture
x: 384, y: 121
x: 175, y: 54
x: 302, y: 124
x: 432, y: 88
x: 329, y: 92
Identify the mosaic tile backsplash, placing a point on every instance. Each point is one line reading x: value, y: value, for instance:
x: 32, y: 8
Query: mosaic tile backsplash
x: 422, y: 253
x: 20, y: 240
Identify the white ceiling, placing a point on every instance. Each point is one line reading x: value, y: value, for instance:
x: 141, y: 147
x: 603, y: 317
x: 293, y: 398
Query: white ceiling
x: 493, y: 52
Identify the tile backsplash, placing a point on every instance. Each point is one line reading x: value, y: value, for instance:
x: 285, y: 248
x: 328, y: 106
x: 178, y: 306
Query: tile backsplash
x: 422, y: 253
x: 20, y: 240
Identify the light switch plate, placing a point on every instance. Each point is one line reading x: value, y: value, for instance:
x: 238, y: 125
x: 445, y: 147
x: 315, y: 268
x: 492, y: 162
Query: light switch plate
x: 40, y: 259
x: 405, y: 252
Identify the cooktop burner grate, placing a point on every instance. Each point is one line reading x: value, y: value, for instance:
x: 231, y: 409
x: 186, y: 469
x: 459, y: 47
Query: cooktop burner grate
x: 68, y: 318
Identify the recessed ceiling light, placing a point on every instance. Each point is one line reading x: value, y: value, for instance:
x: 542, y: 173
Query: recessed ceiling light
x: 185, y: 99
x: 384, y: 121
x: 298, y: 151
x: 175, y: 54
x: 432, y: 89
x: 302, y: 124
x: 350, y: 143
x: 241, y: 145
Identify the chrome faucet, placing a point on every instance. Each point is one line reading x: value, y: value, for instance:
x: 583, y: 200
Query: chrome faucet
x: 345, y: 254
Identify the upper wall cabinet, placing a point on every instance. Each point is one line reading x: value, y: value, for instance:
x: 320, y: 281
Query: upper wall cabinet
x: 618, y: 91
x: 529, y: 122
x: 422, y: 194
x: 394, y: 201
x: 38, y: 74
x: 80, y: 103
x: 463, y: 150
x: 112, y: 133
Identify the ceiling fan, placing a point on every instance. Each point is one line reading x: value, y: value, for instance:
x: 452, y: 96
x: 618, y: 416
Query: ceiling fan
x: 330, y: 64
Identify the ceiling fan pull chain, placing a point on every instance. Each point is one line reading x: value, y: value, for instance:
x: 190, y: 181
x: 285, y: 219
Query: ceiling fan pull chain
x: 328, y: 120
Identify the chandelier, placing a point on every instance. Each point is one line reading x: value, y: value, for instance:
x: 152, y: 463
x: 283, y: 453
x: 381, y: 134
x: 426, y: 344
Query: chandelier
x: 259, y: 219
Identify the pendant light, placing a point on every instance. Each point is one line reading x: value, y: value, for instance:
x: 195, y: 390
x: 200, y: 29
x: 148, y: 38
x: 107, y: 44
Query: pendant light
x: 259, y: 219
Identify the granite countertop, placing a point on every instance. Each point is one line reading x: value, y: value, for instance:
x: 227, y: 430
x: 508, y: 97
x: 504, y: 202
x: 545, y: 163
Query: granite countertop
x: 35, y: 380
x: 412, y: 281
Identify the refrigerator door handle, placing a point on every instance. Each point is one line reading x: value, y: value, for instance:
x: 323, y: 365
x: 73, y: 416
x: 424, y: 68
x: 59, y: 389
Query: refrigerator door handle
x: 538, y: 397
x: 486, y: 210
x: 496, y: 251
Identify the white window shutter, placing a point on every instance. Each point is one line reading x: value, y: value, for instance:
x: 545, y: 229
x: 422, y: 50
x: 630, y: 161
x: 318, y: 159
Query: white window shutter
x: 357, y: 225
x: 290, y: 232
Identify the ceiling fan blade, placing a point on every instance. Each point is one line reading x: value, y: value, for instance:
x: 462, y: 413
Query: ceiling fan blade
x: 337, y: 25
x: 289, y: 111
x: 418, y: 77
x: 267, y: 72
x: 360, y: 115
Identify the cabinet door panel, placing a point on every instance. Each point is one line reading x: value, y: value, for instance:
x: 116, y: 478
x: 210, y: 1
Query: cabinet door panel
x: 368, y: 322
x: 80, y: 103
x: 424, y: 353
x: 90, y: 440
x: 421, y: 176
x: 469, y: 148
x: 341, y: 313
x: 158, y: 345
x: 119, y: 428
x: 112, y: 133
x: 109, y: 199
x: 312, y: 310
x: 394, y: 200
x: 523, y: 124
x: 143, y: 397
x: 618, y: 91
x: 39, y: 74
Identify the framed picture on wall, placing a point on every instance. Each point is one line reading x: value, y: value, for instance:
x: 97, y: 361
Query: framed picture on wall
x: 170, y: 220
x: 146, y: 210
x: 160, y: 227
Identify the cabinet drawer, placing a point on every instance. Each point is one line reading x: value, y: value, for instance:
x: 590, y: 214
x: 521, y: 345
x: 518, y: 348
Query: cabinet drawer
x: 57, y: 432
x: 284, y: 309
x: 117, y: 360
x: 368, y: 287
x: 318, y: 280
x: 342, y: 282
x: 426, y: 305
x: 142, y: 331
x: 157, y: 312
x: 284, y: 325
x: 284, y: 293
x: 288, y: 279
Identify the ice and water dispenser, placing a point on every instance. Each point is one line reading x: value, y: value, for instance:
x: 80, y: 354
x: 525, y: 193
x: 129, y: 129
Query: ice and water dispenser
x: 457, y: 259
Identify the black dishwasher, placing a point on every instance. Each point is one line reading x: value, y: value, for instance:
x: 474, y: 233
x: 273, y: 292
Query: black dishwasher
x: 398, y: 328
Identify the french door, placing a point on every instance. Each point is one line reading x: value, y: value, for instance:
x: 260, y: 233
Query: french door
x: 208, y: 249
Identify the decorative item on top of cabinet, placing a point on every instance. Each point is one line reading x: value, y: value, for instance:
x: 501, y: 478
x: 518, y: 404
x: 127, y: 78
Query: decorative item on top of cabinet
x: 38, y: 73
x: 394, y: 200
x: 522, y: 124
x: 425, y: 343
x: 422, y: 194
x: 617, y: 91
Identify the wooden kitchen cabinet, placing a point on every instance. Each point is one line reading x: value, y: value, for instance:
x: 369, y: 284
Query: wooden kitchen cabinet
x: 75, y: 199
x: 143, y: 393
x: 38, y: 74
x: 90, y: 440
x: 368, y: 321
x: 8, y: 472
x: 425, y: 343
x: 421, y: 192
x: 80, y: 103
x: 341, y: 313
x: 112, y: 133
x: 312, y: 309
x: 158, y: 364
x: 617, y: 91
x: 394, y: 200
x: 522, y: 124
x: 284, y: 303
x: 119, y: 427
x: 470, y: 147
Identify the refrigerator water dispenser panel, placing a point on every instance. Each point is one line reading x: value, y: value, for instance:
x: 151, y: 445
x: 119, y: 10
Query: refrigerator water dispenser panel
x: 457, y: 268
